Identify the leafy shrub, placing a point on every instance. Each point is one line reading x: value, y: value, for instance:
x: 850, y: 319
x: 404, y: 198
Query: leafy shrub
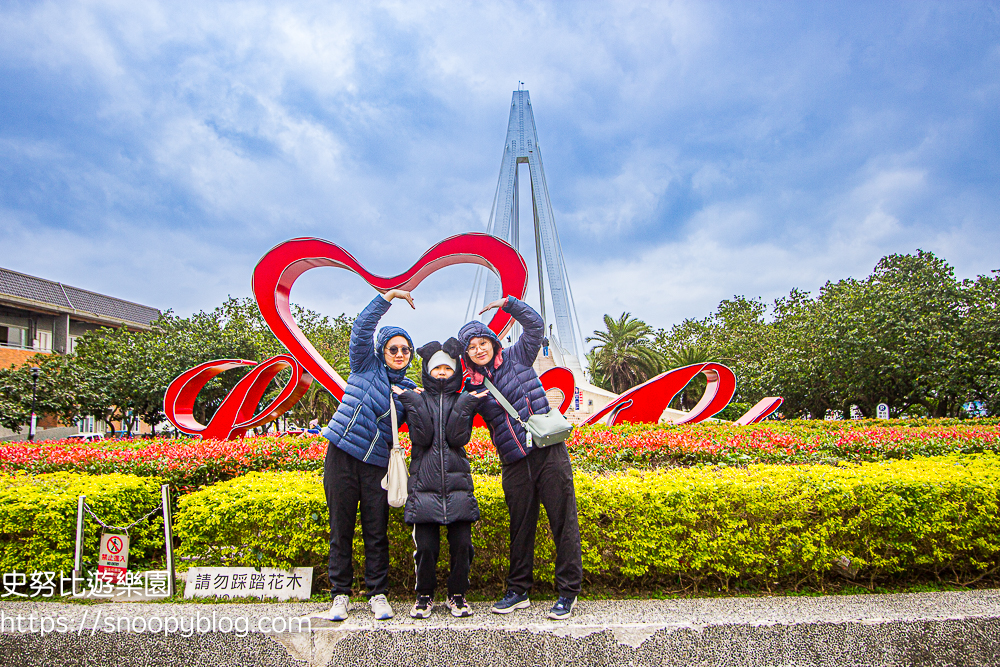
x: 260, y: 519
x: 280, y: 519
x: 38, y: 520
x: 762, y: 526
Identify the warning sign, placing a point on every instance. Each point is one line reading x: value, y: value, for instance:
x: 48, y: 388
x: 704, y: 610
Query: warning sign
x: 113, y: 561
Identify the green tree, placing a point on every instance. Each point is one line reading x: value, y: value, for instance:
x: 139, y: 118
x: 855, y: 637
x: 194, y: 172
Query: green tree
x: 797, y: 367
x: 15, y: 386
x: 236, y: 329
x: 62, y: 390
x: 981, y: 341
x: 736, y: 335
x: 894, y: 337
x: 624, y: 356
x: 133, y: 369
x: 125, y: 367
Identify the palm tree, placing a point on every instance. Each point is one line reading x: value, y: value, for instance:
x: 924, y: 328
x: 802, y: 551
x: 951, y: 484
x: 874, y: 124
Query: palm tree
x: 624, y: 356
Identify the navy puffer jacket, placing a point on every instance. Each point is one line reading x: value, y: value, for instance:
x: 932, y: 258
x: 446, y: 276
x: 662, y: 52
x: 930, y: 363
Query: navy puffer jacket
x: 512, y: 374
x: 362, y: 426
x: 440, y: 421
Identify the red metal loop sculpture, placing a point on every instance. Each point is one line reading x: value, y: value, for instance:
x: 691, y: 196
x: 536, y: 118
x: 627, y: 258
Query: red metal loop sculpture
x: 278, y: 270
x: 236, y: 414
x: 645, y: 403
x: 562, y: 379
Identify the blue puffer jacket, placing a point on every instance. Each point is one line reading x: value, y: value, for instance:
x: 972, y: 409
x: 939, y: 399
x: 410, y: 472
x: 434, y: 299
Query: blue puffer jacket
x: 362, y: 426
x: 511, y: 373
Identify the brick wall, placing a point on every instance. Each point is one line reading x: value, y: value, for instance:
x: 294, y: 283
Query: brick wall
x: 17, y: 357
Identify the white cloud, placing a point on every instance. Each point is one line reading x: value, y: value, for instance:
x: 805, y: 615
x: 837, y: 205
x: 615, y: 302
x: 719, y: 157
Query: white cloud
x: 694, y: 150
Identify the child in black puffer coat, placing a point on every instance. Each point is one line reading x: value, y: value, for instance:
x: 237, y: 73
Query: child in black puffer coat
x: 440, y: 484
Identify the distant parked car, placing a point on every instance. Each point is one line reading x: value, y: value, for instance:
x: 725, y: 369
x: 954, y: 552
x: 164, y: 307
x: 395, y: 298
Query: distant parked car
x: 86, y: 437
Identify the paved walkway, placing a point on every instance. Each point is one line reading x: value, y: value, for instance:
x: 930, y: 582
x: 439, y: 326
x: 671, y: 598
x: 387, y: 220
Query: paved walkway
x: 914, y: 629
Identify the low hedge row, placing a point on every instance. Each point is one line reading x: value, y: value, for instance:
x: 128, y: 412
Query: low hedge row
x: 761, y: 526
x: 38, y: 520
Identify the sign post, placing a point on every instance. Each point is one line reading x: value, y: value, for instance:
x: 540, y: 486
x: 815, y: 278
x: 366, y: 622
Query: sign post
x: 113, y: 561
x: 168, y: 537
x: 882, y: 411
x: 78, y: 556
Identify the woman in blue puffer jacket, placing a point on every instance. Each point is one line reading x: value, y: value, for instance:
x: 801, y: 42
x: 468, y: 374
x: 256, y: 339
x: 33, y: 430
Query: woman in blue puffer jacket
x: 357, y: 458
x: 530, y: 475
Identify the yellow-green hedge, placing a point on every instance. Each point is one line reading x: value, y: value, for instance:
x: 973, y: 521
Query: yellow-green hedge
x: 38, y: 519
x: 762, y: 525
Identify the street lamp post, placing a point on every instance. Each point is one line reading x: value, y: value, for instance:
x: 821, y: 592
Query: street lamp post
x: 35, y: 370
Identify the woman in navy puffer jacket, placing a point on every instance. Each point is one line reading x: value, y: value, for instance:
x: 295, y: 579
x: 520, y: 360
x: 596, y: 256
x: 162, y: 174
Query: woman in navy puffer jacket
x: 357, y: 458
x: 530, y: 475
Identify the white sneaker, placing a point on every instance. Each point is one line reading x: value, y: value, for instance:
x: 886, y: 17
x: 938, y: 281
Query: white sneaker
x: 380, y: 607
x: 341, y: 605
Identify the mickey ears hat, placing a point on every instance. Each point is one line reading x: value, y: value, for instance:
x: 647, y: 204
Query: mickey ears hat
x: 442, y: 355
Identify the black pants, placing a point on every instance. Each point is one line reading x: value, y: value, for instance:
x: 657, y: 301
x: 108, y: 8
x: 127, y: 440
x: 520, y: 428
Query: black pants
x: 349, y: 483
x: 427, y: 540
x: 544, y: 475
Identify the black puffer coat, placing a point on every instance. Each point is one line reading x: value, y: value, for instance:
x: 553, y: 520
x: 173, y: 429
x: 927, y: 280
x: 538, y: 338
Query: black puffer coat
x: 512, y: 373
x: 440, y: 421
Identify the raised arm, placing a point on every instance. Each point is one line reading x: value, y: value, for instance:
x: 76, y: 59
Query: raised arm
x: 527, y: 346
x: 362, y: 347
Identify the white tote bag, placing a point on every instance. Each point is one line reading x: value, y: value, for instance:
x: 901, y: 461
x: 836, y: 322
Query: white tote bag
x: 395, y: 479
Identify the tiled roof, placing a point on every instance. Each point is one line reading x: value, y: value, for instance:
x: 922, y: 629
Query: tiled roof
x: 65, y: 297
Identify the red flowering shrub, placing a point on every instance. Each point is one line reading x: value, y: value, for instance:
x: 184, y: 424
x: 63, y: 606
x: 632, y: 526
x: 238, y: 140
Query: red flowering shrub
x: 654, y: 446
x: 189, y: 463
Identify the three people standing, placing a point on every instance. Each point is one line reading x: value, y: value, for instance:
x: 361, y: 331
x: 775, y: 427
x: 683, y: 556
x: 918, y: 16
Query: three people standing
x: 440, y: 488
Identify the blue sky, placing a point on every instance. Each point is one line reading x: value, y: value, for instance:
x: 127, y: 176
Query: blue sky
x: 694, y: 150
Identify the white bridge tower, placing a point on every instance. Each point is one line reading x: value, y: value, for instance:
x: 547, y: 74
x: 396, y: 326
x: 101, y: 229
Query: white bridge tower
x: 521, y: 147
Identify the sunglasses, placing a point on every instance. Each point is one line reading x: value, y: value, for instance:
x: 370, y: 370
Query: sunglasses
x: 399, y: 349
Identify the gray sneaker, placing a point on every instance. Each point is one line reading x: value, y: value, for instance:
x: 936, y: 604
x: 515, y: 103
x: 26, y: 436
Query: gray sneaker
x: 422, y: 607
x: 341, y: 605
x: 380, y: 607
x: 459, y: 607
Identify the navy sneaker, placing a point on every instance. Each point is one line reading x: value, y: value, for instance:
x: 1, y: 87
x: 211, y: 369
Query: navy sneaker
x: 510, y: 602
x: 563, y: 608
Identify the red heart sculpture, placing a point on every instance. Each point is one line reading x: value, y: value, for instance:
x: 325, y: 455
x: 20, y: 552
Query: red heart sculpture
x: 278, y: 270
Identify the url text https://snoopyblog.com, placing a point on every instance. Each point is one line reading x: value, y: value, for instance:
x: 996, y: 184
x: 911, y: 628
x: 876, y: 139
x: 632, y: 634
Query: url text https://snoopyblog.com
x: 94, y: 621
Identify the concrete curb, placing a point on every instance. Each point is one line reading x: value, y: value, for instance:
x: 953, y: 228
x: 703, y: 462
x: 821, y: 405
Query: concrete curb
x: 924, y: 628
